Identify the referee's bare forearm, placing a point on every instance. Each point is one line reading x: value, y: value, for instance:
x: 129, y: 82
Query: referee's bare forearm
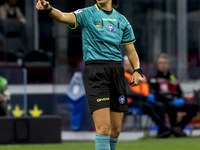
x: 67, y: 18
x: 132, y: 56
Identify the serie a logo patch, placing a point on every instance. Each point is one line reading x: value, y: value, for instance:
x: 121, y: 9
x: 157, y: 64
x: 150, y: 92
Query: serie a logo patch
x: 78, y: 11
x: 110, y: 28
x: 122, y: 99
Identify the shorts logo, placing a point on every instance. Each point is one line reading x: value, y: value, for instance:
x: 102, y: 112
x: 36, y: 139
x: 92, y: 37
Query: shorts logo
x: 122, y: 99
x: 110, y: 28
x: 103, y: 99
x: 78, y: 11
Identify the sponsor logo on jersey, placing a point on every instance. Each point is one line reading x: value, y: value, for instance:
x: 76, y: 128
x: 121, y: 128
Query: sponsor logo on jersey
x: 122, y: 99
x: 109, y: 19
x: 78, y: 11
x: 103, y: 99
x: 110, y: 28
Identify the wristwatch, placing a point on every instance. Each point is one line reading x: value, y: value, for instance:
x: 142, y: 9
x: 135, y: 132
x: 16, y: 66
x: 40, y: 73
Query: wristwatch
x: 48, y: 11
x: 139, y: 71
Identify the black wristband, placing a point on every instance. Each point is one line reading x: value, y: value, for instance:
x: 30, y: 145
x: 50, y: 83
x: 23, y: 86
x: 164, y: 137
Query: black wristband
x: 139, y: 71
x: 48, y: 11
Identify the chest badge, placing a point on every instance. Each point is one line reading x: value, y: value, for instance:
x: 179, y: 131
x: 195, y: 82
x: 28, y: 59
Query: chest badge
x: 122, y: 99
x: 110, y: 28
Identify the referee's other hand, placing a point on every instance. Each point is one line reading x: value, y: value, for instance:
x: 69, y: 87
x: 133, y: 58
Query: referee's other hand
x: 43, y: 5
x: 136, y: 78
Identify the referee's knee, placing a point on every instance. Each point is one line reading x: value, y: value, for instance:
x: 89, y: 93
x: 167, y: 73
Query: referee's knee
x: 104, y: 130
x: 115, y: 132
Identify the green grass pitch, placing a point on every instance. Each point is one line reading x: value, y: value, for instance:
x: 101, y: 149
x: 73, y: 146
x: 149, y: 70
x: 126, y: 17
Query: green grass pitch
x: 191, y: 143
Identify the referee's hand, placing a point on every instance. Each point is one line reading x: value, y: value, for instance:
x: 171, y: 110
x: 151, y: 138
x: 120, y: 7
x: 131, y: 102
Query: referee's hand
x: 136, y: 79
x: 43, y: 5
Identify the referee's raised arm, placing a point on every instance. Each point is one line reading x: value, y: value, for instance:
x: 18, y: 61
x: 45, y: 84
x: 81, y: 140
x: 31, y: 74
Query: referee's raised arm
x: 56, y: 14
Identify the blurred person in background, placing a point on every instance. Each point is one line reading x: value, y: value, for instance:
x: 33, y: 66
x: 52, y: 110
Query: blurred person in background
x: 4, y: 97
x: 168, y: 91
x: 141, y: 98
x: 9, y: 10
x: 103, y: 30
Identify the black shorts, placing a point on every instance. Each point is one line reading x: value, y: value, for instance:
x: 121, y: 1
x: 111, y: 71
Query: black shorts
x: 105, y: 87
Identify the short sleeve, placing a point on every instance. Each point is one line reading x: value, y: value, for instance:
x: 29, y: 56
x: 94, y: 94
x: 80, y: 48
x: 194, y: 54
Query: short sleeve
x: 128, y: 35
x: 80, y: 18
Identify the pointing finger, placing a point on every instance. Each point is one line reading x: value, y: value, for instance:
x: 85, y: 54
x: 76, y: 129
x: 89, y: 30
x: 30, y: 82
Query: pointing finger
x: 45, y: 3
x: 40, y: 6
x: 40, y: 1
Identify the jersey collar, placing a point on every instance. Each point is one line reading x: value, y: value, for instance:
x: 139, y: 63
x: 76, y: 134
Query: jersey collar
x: 107, y: 12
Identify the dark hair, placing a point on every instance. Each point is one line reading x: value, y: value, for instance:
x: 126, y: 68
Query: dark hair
x: 115, y: 3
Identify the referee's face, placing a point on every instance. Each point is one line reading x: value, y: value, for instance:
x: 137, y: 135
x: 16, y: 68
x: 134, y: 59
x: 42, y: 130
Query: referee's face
x: 103, y: 1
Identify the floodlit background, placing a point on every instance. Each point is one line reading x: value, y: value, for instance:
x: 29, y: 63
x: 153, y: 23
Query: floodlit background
x: 39, y: 57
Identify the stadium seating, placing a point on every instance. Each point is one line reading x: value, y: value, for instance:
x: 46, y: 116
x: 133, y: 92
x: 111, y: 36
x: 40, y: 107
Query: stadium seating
x: 8, y: 59
x: 14, y: 33
x: 39, y: 67
x: 137, y: 114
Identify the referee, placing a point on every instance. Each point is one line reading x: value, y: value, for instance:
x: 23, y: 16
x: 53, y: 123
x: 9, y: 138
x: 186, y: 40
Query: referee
x: 103, y: 31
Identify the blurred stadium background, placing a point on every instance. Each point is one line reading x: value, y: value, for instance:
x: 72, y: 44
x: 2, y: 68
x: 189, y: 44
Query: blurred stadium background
x: 39, y: 57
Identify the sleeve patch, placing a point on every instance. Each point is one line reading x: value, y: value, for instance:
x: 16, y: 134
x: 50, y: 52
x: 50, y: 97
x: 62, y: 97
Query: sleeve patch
x: 78, y: 11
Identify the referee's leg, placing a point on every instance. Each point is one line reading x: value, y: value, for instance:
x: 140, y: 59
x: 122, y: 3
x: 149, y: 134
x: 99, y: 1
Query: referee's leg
x: 118, y: 102
x: 116, y: 123
x: 102, y: 121
x: 103, y: 128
